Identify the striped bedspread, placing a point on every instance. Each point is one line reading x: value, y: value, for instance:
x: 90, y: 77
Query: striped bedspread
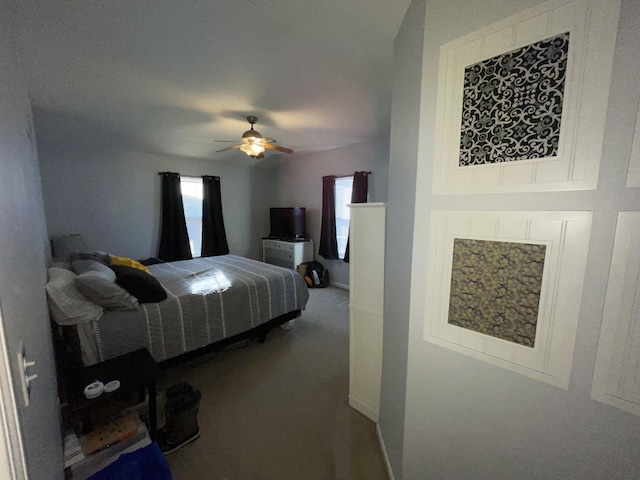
x: 209, y: 299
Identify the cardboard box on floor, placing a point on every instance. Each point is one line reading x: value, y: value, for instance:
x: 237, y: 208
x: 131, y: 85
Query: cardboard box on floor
x: 97, y: 461
x: 118, y: 429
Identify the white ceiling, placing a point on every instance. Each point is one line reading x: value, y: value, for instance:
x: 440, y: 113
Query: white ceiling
x: 170, y: 76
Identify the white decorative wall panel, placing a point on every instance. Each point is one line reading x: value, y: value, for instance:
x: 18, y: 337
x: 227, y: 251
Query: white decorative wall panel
x: 617, y: 373
x: 522, y: 103
x: 633, y: 174
x: 559, y: 240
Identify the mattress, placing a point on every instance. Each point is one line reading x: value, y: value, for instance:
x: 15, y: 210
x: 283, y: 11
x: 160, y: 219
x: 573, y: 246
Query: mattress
x: 209, y: 299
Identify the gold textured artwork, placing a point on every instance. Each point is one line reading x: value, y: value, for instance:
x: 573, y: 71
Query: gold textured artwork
x: 495, y: 288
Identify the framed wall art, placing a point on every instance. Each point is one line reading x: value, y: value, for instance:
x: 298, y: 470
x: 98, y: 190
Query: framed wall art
x: 616, y: 380
x: 522, y: 103
x: 506, y: 287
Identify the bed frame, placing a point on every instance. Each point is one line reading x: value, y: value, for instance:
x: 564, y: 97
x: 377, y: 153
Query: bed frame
x: 260, y: 332
x: 69, y: 356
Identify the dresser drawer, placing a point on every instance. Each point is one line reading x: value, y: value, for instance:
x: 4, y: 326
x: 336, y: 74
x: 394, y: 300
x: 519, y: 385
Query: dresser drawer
x: 277, y: 245
x: 279, y: 254
x: 286, y: 254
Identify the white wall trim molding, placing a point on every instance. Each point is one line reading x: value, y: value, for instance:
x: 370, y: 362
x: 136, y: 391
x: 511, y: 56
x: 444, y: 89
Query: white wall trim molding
x: 385, y: 454
x: 592, y: 25
x: 616, y: 381
x: 366, y: 410
x: 12, y: 459
x: 566, y: 236
x: 339, y: 285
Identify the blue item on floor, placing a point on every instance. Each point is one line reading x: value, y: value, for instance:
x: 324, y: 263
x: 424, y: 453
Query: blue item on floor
x: 147, y: 463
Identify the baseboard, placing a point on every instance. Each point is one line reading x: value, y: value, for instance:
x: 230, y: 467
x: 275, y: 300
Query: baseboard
x: 385, y: 455
x: 363, y: 409
x: 339, y: 285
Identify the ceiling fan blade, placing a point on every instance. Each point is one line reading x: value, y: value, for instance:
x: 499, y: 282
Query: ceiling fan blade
x: 228, y: 148
x: 264, y: 140
x: 277, y: 147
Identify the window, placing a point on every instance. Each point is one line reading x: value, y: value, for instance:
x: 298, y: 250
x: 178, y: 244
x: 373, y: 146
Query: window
x: 191, y: 188
x: 344, y: 185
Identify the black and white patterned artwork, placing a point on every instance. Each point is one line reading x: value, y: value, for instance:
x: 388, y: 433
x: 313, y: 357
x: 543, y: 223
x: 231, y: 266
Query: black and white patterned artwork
x: 512, y: 104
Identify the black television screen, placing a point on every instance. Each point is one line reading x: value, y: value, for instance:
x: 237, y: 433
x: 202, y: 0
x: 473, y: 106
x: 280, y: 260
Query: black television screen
x: 288, y: 223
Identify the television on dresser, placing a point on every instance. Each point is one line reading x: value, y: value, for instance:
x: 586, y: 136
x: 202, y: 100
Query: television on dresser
x: 288, y: 223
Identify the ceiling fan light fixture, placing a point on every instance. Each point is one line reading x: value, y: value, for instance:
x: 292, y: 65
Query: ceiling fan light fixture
x: 254, y: 144
x: 251, y: 135
x: 252, y: 149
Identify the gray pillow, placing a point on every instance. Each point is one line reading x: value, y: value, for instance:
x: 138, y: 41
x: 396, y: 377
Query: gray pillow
x: 87, y: 265
x: 64, y: 245
x: 66, y: 304
x: 101, y: 289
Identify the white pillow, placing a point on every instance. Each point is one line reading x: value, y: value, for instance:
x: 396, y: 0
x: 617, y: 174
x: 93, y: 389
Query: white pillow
x: 66, y: 304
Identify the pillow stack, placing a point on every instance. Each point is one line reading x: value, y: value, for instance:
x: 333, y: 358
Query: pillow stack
x: 66, y: 304
x: 142, y: 285
x: 128, y: 262
x: 97, y: 282
x: 135, y: 278
x: 94, y: 282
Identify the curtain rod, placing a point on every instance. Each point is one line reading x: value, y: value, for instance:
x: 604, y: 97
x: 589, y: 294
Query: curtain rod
x: 336, y: 176
x: 189, y: 176
x: 346, y: 176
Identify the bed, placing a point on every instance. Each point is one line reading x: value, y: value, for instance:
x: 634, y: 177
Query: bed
x: 211, y: 302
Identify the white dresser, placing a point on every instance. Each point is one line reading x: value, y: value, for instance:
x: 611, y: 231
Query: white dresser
x: 366, y: 293
x: 286, y: 254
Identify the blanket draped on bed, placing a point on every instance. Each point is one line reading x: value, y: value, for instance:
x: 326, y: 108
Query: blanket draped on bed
x: 209, y: 299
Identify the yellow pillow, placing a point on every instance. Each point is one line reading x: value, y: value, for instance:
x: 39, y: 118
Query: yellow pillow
x: 128, y: 262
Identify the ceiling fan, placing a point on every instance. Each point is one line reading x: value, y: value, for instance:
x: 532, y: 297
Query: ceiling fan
x: 254, y: 144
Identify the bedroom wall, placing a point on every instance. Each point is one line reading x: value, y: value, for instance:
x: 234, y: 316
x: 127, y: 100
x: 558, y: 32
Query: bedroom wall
x: 466, y: 419
x: 23, y: 253
x: 405, y: 119
x: 112, y: 197
x: 299, y: 184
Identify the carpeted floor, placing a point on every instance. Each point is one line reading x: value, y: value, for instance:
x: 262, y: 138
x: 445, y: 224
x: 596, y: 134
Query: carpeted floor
x: 279, y: 410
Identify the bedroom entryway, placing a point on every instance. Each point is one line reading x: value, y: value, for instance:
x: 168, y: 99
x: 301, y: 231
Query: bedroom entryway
x: 279, y: 410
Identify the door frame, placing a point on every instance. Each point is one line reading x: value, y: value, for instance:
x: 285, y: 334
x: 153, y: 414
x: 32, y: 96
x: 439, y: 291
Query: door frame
x: 11, y: 445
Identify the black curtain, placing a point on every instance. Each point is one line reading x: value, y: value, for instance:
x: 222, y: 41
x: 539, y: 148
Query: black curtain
x: 214, y: 237
x: 328, y: 241
x: 174, y: 239
x: 358, y: 195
